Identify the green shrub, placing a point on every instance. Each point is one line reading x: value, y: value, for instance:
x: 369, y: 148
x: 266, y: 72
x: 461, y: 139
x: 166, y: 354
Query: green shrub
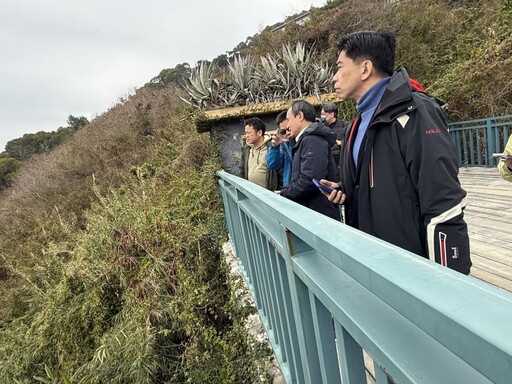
x: 146, y: 296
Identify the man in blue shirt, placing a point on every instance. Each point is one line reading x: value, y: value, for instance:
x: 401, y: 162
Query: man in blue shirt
x: 279, y: 155
x: 400, y: 172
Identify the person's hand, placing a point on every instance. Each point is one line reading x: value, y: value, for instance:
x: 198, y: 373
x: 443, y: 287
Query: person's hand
x: 336, y: 196
x: 277, y: 140
x: 508, y: 162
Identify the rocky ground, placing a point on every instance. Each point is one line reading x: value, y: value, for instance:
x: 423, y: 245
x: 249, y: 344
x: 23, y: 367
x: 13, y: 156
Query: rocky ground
x: 254, y: 324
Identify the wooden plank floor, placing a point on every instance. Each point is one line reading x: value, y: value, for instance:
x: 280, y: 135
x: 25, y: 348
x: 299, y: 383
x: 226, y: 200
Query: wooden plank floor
x: 489, y: 218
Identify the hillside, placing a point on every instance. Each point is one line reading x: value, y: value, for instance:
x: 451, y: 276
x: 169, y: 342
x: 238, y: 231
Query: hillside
x: 110, y: 244
x: 460, y: 50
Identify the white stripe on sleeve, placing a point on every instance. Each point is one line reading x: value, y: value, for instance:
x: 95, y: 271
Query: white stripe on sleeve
x: 443, y: 217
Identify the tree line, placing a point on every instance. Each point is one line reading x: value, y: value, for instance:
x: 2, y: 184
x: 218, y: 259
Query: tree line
x: 20, y: 149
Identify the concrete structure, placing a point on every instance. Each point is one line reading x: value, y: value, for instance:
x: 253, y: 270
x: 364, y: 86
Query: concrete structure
x: 226, y: 125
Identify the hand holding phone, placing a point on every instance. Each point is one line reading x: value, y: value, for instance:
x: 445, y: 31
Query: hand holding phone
x: 504, y: 156
x: 322, y: 187
x: 337, y: 198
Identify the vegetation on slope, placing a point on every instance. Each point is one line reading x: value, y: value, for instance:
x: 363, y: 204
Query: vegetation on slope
x: 120, y: 277
x: 22, y: 148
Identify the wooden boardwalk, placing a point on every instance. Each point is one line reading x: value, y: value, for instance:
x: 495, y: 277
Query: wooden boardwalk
x: 489, y: 217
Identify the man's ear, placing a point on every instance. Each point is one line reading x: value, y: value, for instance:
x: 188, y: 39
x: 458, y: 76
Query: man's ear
x: 366, y: 69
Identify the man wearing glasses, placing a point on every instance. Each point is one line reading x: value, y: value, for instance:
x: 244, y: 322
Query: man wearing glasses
x: 279, y: 155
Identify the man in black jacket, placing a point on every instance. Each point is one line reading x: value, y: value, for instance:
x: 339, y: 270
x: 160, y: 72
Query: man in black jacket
x: 400, y: 171
x: 311, y: 159
x: 329, y: 113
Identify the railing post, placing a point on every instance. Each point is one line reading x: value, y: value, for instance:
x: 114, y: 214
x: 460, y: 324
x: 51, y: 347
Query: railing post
x: 350, y: 354
x: 302, y: 313
x: 380, y: 375
x: 490, y: 144
x: 324, y: 329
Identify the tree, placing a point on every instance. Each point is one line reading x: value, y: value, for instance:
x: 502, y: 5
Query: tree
x: 77, y: 122
x: 221, y: 61
x: 245, y: 46
x: 170, y: 76
x: 31, y: 143
x: 8, y: 166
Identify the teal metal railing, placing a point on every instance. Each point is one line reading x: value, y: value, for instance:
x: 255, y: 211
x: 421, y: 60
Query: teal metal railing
x: 476, y: 140
x: 326, y: 292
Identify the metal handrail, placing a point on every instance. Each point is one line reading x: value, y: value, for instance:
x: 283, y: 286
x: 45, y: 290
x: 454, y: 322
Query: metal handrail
x: 325, y: 292
x: 476, y: 140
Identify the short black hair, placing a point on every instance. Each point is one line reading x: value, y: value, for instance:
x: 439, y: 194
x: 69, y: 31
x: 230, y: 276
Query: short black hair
x: 376, y: 46
x: 280, y: 118
x: 306, y: 108
x: 256, y: 123
x: 330, y: 108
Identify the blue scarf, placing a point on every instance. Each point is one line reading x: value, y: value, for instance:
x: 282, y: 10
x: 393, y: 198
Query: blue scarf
x: 366, y: 107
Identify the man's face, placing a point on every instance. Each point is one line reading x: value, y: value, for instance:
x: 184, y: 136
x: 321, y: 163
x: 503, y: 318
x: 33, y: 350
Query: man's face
x: 252, y: 136
x: 284, y: 125
x: 329, y: 116
x: 294, y: 122
x: 347, y: 80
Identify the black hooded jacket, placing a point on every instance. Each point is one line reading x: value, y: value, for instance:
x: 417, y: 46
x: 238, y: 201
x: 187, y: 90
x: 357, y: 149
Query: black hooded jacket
x: 312, y: 159
x: 338, y: 127
x: 405, y: 189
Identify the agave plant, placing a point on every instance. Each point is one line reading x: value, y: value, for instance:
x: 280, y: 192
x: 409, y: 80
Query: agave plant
x: 323, y: 77
x: 237, y: 81
x: 202, y: 87
x: 299, y: 64
x: 292, y: 74
x: 267, y: 80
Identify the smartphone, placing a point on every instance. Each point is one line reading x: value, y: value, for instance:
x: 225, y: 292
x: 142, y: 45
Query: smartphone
x: 504, y: 156
x: 322, y: 187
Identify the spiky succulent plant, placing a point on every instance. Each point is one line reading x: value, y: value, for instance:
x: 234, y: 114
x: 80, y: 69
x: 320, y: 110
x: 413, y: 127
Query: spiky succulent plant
x: 237, y: 85
x: 294, y: 73
x: 202, y: 86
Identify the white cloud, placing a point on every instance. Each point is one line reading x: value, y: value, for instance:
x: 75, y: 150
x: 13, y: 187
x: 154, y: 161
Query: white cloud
x: 78, y: 57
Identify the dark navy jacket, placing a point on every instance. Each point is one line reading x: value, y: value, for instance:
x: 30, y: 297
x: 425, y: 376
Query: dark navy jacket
x: 312, y: 159
x: 338, y: 127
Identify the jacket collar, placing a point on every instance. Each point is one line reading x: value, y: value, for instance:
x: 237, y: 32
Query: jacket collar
x: 397, y: 92
x: 319, y: 129
x: 266, y: 138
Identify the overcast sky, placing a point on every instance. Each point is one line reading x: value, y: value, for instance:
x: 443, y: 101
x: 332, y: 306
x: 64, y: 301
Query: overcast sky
x: 79, y: 57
